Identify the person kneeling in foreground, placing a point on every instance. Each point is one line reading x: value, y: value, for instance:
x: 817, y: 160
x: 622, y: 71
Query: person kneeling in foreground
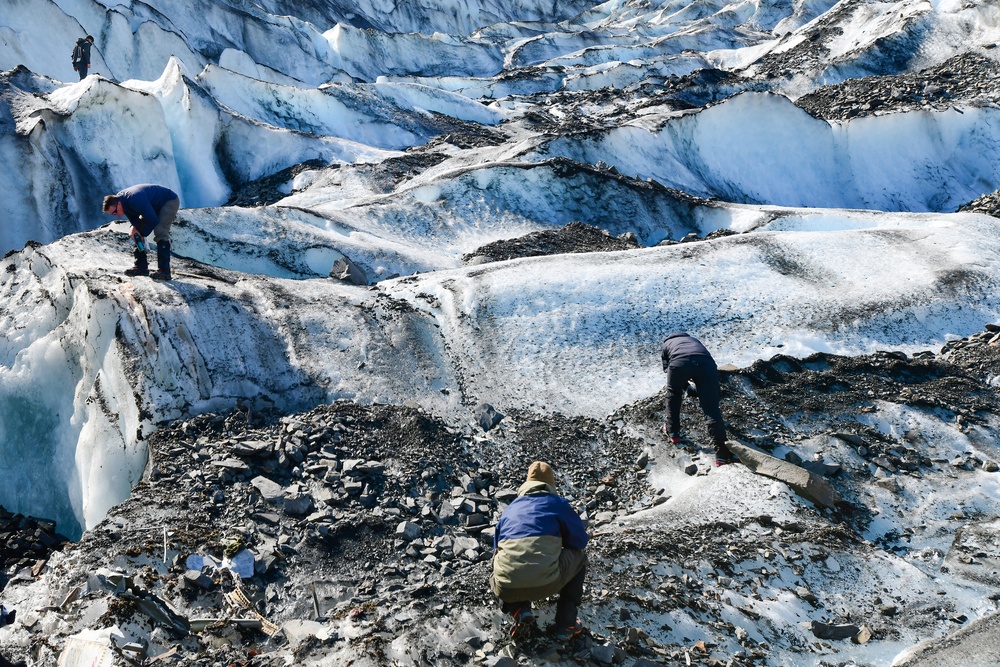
x: 538, y: 551
x: 150, y: 208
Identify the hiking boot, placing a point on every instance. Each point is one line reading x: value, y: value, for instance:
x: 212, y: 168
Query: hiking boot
x: 724, y: 457
x: 162, y: 261
x: 524, y: 624
x: 141, y: 267
x: 568, y: 632
x: 675, y: 438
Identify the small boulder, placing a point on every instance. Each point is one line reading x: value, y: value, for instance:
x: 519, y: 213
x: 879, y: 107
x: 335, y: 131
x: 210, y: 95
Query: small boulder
x: 346, y: 270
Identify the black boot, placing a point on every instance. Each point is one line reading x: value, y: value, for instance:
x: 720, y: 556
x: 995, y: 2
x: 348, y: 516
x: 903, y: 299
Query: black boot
x: 723, y: 456
x: 162, y: 261
x: 141, y: 267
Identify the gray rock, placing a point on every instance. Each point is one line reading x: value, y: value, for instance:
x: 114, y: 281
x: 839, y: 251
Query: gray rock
x: 270, y: 491
x: 505, y: 495
x: 830, y: 631
x: 346, y: 270
x: 806, y: 594
x: 446, y: 513
x: 975, y: 645
x: 234, y: 466
x: 603, y: 654
x: 251, y: 448
x: 487, y: 416
x: 465, y: 544
x: 810, y: 486
x: 199, y: 579
x: 408, y: 530
x: 298, y: 504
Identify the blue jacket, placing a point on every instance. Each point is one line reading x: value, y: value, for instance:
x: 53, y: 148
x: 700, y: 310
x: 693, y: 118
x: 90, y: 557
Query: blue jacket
x: 531, y: 535
x: 142, y: 204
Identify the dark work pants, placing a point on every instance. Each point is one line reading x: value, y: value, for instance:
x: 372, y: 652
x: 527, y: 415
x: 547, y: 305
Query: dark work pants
x: 703, y: 372
x: 82, y: 71
x: 570, y: 598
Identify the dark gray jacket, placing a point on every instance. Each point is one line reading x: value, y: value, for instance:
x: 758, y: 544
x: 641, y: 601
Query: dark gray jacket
x: 681, y: 346
x: 81, y: 53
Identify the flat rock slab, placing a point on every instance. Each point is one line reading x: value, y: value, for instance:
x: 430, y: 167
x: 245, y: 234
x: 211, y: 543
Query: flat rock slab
x: 974, y: 553
x: 809, y: 485
x: 976, y: 645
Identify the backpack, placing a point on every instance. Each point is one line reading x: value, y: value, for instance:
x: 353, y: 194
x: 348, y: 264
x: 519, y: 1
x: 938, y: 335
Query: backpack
x: 77, y: 52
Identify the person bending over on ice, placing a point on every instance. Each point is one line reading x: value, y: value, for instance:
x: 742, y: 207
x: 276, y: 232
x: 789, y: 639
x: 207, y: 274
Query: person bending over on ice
x: 685, y: 360
x: 538, y: 551
x: 150, y: 208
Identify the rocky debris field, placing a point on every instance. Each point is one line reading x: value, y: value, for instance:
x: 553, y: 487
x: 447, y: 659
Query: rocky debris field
x: 988, y: 204
x: 363, y: 532
x: 572, y: 238
x: 966, y: 79
x: 26, y: 543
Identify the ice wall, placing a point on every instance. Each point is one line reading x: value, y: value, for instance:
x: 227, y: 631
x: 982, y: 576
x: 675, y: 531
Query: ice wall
x: 68, y: 417
x: 760, y: 148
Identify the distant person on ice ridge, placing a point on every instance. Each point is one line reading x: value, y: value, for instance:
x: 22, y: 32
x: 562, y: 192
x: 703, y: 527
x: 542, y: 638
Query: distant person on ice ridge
x: 81, y: 56
x: 538, y: 551
x: 150, y: 208
x: 685, y: 360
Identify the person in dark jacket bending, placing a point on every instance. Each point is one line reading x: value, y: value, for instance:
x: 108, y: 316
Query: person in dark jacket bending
x: 81, y: 56
x: 539, y: 551
x: 150, y: 208
x: 685, y: 360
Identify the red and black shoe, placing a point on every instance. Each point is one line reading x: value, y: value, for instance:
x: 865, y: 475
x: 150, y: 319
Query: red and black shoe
x: 675, y: 438
x: 524, y: 624
x: 724, y: 457
x: 569, y: 632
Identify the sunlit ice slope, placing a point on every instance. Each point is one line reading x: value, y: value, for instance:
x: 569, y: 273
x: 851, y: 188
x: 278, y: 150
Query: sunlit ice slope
x: 92, y: 361
x: 209, y: 99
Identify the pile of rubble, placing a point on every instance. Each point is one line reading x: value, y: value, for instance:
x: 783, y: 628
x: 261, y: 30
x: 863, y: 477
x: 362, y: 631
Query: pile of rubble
x: 365, y: 531
x: 988, y: 204
x: 966, y: 79
x: 26, y: 543
x: 574, y: 237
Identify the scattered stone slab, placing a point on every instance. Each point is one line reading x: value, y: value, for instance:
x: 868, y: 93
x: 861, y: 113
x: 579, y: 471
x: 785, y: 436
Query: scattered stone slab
x: 487, y: 416
x: 346, y: 270
x: 809, y: 485
x: 973, y: 552
x: 831, y: 631
x: 272, y: 492
x: 973, y: 646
